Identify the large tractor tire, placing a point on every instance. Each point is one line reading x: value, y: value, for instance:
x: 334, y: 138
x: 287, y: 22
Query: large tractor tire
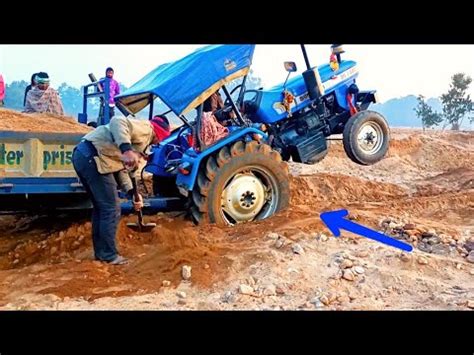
x: 366, y: 137
x: 244, y: 182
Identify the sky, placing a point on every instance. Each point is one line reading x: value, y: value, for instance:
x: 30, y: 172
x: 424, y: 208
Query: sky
x: 393, y: 70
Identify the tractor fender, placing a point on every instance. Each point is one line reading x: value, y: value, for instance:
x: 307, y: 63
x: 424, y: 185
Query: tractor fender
x: 186, y: 182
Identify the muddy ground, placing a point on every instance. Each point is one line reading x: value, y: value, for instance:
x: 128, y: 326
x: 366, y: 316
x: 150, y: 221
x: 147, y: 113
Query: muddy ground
x: 421, y: 193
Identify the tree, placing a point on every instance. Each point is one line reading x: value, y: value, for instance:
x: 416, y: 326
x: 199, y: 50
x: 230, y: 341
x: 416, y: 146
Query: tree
x: 71, y: 99
x: 429, y: 118
x: 456, y: 102
x: 14, y: 94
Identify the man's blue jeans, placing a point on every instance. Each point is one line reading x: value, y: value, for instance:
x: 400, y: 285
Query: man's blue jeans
x: 102, y: 189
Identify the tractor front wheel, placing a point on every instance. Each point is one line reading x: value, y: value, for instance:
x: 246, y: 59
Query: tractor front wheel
x: 244, y: 182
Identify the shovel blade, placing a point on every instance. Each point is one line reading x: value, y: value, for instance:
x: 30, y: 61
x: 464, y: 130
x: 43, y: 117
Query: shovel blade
x: 143, y: 227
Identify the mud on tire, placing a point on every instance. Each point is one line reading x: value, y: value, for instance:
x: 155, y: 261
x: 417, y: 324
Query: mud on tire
x: 246, y: 181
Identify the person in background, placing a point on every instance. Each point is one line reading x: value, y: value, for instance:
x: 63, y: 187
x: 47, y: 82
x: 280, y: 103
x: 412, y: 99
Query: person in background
x: 114, y: 90
x: 43, y: 98
x: 2, y: 90
x: 29, y: 87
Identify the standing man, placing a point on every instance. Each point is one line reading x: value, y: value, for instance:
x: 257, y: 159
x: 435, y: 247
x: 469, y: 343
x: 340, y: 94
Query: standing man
x: 100, y: 161
x: 114, y: 91
x: 2, y: 90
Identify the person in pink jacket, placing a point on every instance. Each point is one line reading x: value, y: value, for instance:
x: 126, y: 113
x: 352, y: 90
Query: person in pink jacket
x: 114, y: 91
x: 2, y: 90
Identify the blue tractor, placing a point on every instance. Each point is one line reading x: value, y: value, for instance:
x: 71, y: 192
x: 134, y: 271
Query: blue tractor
x: 244, y: 176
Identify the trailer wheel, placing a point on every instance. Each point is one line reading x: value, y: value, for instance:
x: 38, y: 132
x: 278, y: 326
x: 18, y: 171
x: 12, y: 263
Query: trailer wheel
x: 366, y: 137
x: 245, y: 182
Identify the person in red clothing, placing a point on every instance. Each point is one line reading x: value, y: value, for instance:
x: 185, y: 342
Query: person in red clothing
x: 2, y: 90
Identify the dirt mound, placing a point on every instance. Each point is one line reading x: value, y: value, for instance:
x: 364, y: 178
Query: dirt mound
x: 11, y: 120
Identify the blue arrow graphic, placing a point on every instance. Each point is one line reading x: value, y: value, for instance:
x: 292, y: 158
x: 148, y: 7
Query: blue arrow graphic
x: 335, y: 221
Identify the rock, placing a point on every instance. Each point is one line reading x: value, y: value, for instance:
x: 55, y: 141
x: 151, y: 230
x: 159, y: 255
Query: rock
x: 17, y: 255
x: 76, y: 244
x: 297, y: 249
x: 181, y: 294
x: 362, y: 254
x: 16, y: 261
x: 324, y: 299
x: 409, y: 226
x: 81, y: 238
x: 182, y: 301
x: 422, y: 260
x: 206, y: 266
x: 469, y: 245
x: 440, y: 249
x: 279, y: 242
x: 471, y: 272
x: 343, y: 299
x: 166, y: 283
x: 359, y: 269
x: 470, y: 257
x: 405, y: 257
x: 245, y: 289
x: 88, y: 226
x: 425, y: 247
x: 272, y: 235
x: 470, y: 304
x: 323, y: 237
x: 458, y: 266
x: 428, y: 234
x: 251, y: 281
x: 186, y: 272
x: 348, y: 275
x: 279, y: 290
x: 346, y: 264
x: 62, y: 234
x: 228, y: 297
x: 270, y: 290
x: 130, y: 236
x: 53, y: 250
x: 434, y: 240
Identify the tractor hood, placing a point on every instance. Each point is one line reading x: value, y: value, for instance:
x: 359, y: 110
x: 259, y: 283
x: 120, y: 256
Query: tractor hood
x: 186, y: 83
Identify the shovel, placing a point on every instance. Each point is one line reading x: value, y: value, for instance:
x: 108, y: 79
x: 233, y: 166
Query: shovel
x: 140, y: 226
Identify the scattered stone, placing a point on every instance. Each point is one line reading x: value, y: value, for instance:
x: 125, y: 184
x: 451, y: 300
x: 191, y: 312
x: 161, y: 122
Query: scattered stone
x: 362, y: 254
x: 76, y: 244
x: 251, y: 281
x: 279, y: 242
x: 16, y: 261
x: 279, y: 290
x: 470, y: 257
x: 53, y: 250
x: 290, y: 270
x: 272, y: 235
x: 297, y: 249
x: 206, y: 266
x: 81, y: 238
x: 470, y: 304
x: 62, y: 234
x: 440, y: 249
x: 343, y: 299
x: 130, y: 236
x: 425, y: 247
x: 166, y: 283
x: 346, y: 264
x: 469, y: 245
x: 409, y: 226
x: 182, y: 301
x: 270, y: 290
x: 405, y: 257
x: 186, y: 272
x: 323, y: 237
x: 471, y: 272
x: 228, y: 297
x: 348, y: 275
x: 422, y: 261
x: 359, y: 269
x: 324, y: 299
x: 428, y: 234
x: 434, y: 240
x: 245, y: 289
x: 181, y: 294
x: 458, y: 266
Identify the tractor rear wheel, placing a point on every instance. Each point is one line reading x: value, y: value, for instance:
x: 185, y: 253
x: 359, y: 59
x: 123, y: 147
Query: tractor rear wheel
x: 244, y: 182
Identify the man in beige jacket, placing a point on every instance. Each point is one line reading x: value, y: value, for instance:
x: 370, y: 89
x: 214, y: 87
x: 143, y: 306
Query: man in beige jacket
x: 101, y: 161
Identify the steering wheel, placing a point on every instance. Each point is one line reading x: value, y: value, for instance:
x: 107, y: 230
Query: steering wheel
x: 227, y: 101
